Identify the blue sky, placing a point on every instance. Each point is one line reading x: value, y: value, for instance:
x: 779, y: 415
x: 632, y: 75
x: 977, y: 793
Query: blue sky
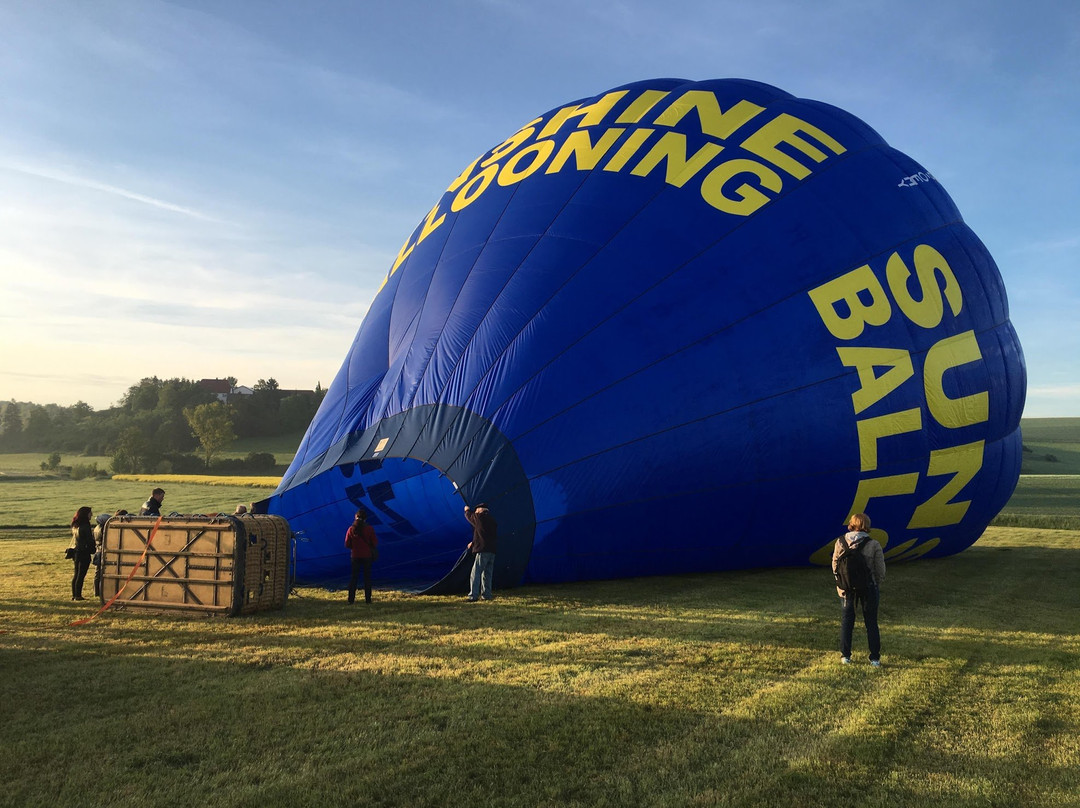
x: 218, y: 188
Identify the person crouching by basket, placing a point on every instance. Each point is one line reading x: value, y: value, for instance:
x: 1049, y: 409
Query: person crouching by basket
x: 362, y: 542
x: 82, y: 537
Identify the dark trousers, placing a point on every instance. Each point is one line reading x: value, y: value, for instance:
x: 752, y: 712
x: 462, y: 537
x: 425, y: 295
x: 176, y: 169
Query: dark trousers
x: 869, y: 605
x: 82, y: 564
x: 360, y: 565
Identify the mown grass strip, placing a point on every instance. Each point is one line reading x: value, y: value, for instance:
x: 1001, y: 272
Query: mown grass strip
x: 200, y: 479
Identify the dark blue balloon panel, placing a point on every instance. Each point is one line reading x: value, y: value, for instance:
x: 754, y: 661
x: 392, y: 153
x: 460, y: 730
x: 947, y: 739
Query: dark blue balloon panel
x: 675, y: 327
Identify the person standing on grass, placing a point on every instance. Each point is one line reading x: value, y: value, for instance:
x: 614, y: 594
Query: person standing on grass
x: 82, y: 536
x: 152, y: 506
x: 868, y: 552
x: 361, y: 540
x: 485, y: 535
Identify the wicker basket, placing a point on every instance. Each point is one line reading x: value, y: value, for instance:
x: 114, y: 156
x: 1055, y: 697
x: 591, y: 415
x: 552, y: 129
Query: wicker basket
x: 213, y: 565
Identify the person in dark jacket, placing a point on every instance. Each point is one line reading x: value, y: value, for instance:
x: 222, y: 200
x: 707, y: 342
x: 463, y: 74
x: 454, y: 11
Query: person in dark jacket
x: 82, y: 537
x: 483, y: 545
x: 152, y: 506
x: 361, y: 540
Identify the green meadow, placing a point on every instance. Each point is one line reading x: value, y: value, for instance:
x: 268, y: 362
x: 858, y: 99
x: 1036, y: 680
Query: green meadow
x: 700, y: 690
x: 1051, y: 445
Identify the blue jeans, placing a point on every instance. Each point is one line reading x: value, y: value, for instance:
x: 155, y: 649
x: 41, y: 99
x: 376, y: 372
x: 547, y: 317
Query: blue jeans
x: 847, y: 622
x: 483, y: 571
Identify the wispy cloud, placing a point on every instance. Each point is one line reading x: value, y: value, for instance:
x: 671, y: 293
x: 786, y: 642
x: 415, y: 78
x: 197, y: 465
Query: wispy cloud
x: 85, y: 182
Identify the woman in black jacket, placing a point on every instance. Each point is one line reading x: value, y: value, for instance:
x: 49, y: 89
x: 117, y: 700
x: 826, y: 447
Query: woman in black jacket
x: 82, y: 536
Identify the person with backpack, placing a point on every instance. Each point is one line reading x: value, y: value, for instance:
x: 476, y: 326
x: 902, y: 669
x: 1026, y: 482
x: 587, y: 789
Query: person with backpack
x: 858, y: 565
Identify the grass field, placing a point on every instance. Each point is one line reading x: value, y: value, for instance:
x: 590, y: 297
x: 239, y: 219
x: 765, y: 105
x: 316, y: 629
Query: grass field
x: 1052, y: 445
x: 699, y: 690
x: 1043, y: 501
x: 282, y: 447
x: 49, y: 504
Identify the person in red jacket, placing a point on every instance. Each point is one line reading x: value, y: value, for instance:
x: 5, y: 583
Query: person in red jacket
x: 361, y: 540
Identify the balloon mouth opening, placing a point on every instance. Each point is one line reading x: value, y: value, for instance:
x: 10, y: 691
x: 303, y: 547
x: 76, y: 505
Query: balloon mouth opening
x: 417, y: 514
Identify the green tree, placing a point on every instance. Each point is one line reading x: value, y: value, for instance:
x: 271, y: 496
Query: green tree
x: 142, y: 396
x: 212, y: 424
x: 130, y: 454
x: 38, y: 429
x: 295, y: 412
x: 11, y: 427
x: 176, y: 394
x: 260, y: 410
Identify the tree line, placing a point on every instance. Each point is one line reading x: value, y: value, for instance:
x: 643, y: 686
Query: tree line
x: 163, y: 426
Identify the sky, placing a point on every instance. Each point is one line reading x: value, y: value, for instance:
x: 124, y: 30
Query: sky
x: 211, y: 189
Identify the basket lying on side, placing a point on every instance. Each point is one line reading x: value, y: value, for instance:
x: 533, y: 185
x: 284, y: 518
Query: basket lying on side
x: 210, y: 564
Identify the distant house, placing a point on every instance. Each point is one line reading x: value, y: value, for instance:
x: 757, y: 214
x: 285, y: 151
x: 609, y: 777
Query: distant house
x: 225, y: 391
x: 219, y: 387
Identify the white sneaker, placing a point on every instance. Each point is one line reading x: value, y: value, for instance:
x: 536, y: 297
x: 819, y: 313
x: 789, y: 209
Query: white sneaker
x: 875, y: 663
x: 845, y: 660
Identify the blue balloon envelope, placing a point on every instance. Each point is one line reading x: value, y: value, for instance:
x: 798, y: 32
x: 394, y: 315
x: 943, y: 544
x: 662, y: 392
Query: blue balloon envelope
x: 676, y: 327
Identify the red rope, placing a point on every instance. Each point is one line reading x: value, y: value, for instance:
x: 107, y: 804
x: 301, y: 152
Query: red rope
x: 135, y: 569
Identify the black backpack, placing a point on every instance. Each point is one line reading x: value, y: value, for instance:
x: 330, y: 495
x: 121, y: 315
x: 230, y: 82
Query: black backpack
x: 852, y: 573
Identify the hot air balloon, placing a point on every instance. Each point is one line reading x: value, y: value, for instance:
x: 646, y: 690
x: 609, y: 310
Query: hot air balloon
x: 678, y: 326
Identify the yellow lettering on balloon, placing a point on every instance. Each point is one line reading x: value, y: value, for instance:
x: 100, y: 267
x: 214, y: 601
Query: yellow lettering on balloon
x: 519, y: 137
x: 949, y: 353
x: 671, y: 148
x: 920, y: 550
x: 641, y: 106
x: 788, y: 129
x: 538, y: 152
x: 850, y: 289
x: 714, y: 122
x: 590, y: 114
x: 429, y: 224
x: 586, y: 154
x: 872, y: 387
x: 895, y: 485
x: 463, y: 177
x: 963, y: 463
x: 627, y: 149
x: 900, y: 549
x: 928, y: 310
x: 745, y: 198
x: 871, y: 430
x: 403, y: 253
x: 473, y: 188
